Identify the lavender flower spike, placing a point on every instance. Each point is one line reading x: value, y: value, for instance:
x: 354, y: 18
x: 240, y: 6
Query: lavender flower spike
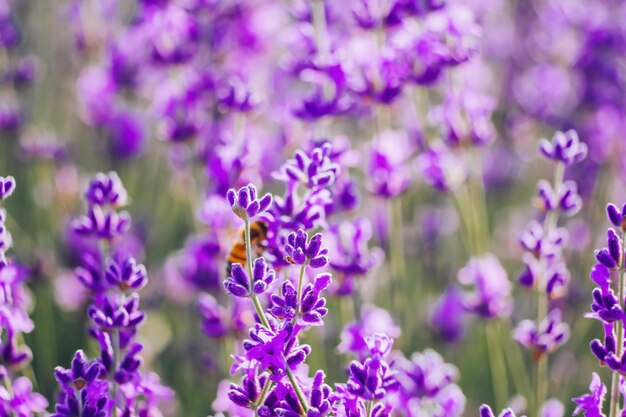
x: 7, y: 186
x: 245, y: 204
x: 301, y: 250
x: 240, y: 284
x: 564, y: 147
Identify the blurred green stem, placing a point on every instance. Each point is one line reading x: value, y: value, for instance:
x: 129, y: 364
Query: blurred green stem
x: 499, y: 379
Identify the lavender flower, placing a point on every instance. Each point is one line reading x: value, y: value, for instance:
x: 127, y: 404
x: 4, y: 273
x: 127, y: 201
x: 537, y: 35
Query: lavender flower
x: 442, y: 169
x: 21, y: 401
x: 492, y: 289
x: 427, y: 385
x: 546, y: 338
x: 302, y: 250
x: 591, y: 404
x: 314, y: 169
x: 106, y: 189
x: 564, y: 147
x: 240, y: 284
x: 245, y: 204
x: 7, y: 186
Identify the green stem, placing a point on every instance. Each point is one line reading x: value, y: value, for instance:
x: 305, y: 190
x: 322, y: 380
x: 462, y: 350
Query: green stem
x: 615, y: 400
x: 497, y: 366
x: 368, y: 411
x: 300, y: 284
x: 296, y: 387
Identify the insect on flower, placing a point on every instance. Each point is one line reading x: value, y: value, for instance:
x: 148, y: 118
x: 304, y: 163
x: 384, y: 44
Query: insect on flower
x: 258, y: 240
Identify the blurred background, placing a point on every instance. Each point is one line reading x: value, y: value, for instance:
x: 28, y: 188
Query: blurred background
x: 187, y: 98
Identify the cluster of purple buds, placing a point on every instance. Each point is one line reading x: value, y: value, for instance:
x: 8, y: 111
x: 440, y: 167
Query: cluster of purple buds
x: 104, y: 196
x: 545, y: 270
x: 115, y: 316
x: 350, y: 257
x: 240, y: 284
x: 7, y: 186
x: 427, y: 386
x: 545, y: 338
x: 565, y: 147
x: 245, y: 203
x: 442, y: 169
x: 607, y: 306
x: 491, y: 297
x: 315, y: 169
x: 14, y: 321
x: 84, y: 391
x: 299, y: 251
x: 370, y: 381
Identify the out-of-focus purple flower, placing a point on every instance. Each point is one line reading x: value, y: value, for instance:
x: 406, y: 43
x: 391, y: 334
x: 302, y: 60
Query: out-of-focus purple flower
x: 240, y: 284
x: 126, y: 133
x: 564, y: 147
x: 442, y: 169
x: 102, y: 225
x: 21, y: 401
x: 466, y: 119
x: 244, y: 202
x: 349, y: 253
x: 591, y: 404
x: 22, y: 73
x: 427, y: 385
x: 172, y: 34
x: 9, y: 32
x: 213, y: 316
x: 117, y: 314
x: 106, y: 189
x: 7, y: 186
x: 552, y: 408
x: 129, y: 275
x: 314, y: 169
x: 234, y: 95
x: 565, y: 198
x: 388, y: 171
x: 11, y: 117
x: 492, y: 289
x: 328, y: 95
x: 96, y: 94
x: 373, y: 320
x: 551, y: 334
x: 447, y: 317
x: 302, y: 250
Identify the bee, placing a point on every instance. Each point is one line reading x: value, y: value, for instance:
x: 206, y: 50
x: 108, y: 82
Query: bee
x: 258, y: 241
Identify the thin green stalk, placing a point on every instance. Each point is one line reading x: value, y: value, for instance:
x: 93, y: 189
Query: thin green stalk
x: 497, y: 366
x: 296, y: 387
x: 515, y: 361
x: 368, y: 410
x: 615, y: 400
x: 300, y: 283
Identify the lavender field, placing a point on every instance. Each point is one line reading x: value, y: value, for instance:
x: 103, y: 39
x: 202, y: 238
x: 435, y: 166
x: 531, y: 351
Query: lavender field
x: 312, y: 208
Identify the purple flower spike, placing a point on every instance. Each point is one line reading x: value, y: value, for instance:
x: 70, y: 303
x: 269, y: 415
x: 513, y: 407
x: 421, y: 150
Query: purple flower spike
x: 591, y: 404
x: 551, y: 334
x: 301, y: 250
x: 315, y: 170
x: 564, y: 147
x: 82, y: 372
x: 492, y: 289
x: 128, y: 276
x: 106, y: 189
x: 117, y: 314
x: 312, y: 305
x: 442, y: 169
x: 616, y: 216
x: 244, y: 202
x: 22, y: 401
x: 213, y: 316
x: 7, y: 186
x: 239, y: 284
x: 102, y: 224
